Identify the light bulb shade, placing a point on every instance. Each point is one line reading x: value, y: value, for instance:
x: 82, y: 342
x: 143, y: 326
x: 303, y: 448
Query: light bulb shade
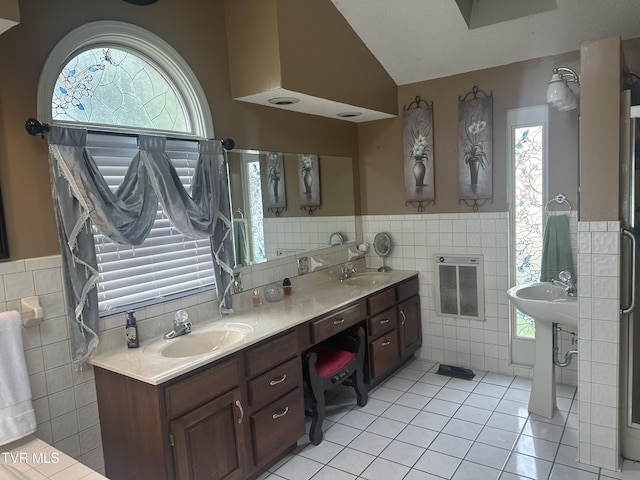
x: 556, y: 90
x: 569, y: 103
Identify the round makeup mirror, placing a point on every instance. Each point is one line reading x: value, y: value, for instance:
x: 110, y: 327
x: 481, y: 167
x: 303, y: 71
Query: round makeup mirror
x: 382, y: 245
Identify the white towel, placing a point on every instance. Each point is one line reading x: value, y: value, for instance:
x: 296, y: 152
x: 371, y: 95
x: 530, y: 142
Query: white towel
x: 17, y: 418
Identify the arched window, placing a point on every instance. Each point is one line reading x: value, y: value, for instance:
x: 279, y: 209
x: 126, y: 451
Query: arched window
x: 118, y: 80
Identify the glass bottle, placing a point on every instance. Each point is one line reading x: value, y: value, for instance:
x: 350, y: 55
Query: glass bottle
x: 132, y: 330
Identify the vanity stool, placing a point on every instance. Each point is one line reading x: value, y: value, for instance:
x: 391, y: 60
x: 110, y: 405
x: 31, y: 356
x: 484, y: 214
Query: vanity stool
x: 336, y: 361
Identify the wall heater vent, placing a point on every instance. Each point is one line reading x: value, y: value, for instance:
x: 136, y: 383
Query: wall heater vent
x: 460, y: 286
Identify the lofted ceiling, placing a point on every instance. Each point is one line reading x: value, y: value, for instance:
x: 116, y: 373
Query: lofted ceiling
x: 417, y: 40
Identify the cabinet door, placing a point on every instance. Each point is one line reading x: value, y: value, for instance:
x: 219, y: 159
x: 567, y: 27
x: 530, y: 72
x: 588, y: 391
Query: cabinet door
x: 410, y: 326
x: 209, y: 441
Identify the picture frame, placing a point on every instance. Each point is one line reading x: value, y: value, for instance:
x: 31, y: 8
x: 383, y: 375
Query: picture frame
x: 276, y: 196
x: 475, y: 146
x: 309, y: 180
x: 419, y: 172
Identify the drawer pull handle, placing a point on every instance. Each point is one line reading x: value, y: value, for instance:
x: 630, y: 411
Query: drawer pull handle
x: 338, y: 322
x: 280, y: 380
x: 281, y: 413
x: 385, y: 321
x: 404, y: 317
x: 385, y: 343
x: 239, y: 405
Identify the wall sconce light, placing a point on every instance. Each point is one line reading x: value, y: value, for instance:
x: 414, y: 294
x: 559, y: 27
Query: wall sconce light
x: 559, y: 94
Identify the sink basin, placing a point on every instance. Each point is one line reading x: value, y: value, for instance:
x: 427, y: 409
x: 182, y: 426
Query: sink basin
x: 366, y: 279
x: 189, y: 345
x: 201, y: 341
x: 545, y: 301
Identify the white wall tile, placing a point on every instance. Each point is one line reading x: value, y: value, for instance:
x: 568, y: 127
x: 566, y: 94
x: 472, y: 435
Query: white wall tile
x: 38, y: 384
x: 19, y: 285
x: 85, y: 393
x: 62, y: 402
x: 59, y: 378
x: 47, y: 280
x: 56, y: 354
x: 88, y: 416
x: 64, y: 426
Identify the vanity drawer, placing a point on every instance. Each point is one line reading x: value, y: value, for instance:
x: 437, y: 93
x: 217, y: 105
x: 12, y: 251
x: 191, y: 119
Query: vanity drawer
x: 407, y: 289
x: 200, y: 388
x: 271, y: 353
x: 384, y: 353
x: 275, y: 382
x: 381, y: 301
x: 383, y: 322
x: 278, y: 426
x: 334, y: 323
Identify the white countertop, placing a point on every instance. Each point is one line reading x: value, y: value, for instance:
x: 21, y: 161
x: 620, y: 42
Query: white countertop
x: 148, y: 365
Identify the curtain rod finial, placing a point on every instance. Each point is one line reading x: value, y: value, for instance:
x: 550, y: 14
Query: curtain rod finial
x: 228, y: 143
x: 34, y: 127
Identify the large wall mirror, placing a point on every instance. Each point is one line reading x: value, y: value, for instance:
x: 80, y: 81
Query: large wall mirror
x: 263, y: 228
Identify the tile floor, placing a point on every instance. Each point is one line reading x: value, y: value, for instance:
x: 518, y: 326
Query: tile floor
x: 419, y: 425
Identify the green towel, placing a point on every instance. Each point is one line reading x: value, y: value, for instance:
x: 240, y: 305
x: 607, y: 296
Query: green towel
x: 556, y: 248
x: 241, y: 243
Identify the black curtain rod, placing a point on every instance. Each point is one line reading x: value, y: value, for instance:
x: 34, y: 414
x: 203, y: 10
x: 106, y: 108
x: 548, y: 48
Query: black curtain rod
x: 34, y: 127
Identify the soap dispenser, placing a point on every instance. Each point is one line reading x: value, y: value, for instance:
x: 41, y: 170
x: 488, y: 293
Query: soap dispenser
x: 132, y: 330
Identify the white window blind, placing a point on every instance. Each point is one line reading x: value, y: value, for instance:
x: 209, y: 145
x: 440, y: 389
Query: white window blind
x: 167, y: 264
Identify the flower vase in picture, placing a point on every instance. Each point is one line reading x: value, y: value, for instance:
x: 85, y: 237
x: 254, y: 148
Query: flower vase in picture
x: 418, y: 154
x: 308, y: 182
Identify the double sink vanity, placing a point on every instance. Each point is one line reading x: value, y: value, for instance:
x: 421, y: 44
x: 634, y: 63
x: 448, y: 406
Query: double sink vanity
x: 226, y: 401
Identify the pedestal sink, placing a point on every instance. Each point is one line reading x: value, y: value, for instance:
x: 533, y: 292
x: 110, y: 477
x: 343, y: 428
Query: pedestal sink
x: 547, y: 304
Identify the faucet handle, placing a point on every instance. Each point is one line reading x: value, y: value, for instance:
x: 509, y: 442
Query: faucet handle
x: 565, y: 276
x: 181, y: 317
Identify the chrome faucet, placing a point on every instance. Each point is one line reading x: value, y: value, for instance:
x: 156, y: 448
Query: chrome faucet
x: 346, y: 271
x: 181, y: 325
x: 565, y: 281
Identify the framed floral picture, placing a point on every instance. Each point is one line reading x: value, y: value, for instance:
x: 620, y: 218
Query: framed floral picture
x: 418, y: 154
x: 475, y: 147
x: 309, y: 180
x: 276, y: 196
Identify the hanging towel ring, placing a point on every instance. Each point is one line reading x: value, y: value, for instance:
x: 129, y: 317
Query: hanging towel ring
x: 559, y: 199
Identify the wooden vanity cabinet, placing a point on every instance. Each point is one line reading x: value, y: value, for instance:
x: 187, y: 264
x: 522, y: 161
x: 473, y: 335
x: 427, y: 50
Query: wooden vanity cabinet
x: 394, y: 330
x: 188, y: 428
x: 275, y: 398
x: 382, y: 335
x: 409, y: 319
x: 236, y: 417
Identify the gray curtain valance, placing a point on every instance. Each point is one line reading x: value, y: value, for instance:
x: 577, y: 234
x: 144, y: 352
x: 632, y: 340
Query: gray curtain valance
x: 82, y: 197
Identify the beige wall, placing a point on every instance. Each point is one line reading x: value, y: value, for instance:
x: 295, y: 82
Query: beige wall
x: 304, y: 46
x: 599, y: 129
x: 517, y: 85
x: 196, y: 29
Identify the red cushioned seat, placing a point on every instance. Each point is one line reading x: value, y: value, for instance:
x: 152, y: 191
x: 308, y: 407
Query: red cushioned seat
x: 331, y: 359
x: 337, y: 361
